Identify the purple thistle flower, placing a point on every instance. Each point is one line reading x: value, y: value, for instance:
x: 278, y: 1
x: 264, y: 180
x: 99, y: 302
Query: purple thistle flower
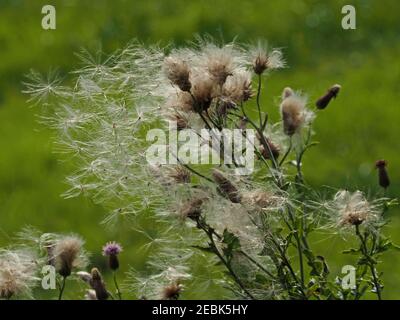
x: 112, y: 249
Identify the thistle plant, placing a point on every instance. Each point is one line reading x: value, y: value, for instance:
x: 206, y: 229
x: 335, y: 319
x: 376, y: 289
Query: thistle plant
x: 250, y: 232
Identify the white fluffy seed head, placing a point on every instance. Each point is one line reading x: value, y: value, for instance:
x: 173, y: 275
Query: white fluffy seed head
x: 294, y: 113
x: 68, y: 254
x: 18, y: 270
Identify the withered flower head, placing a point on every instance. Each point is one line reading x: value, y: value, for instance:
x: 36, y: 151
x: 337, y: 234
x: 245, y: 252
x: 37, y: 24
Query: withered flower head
x: 237, y: 87
x: 225, y: 187
x: 68, y: 253
x: 192, y: 209
x: 18, y: 270
x: 203, y: 92
x: 323, y: 102
x: 172, y: 291
x: 180, y: 101
x: 264, y: 60
x: 353, y: 209
x: 220, y: 63
x: 383, y: 176
x: 178, y: 72
x: 294, y: 113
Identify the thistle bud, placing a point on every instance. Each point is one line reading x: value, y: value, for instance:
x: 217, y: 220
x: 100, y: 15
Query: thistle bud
x: 98, y: 285
x: 323, y: 102
x: 226, y: 188
x: 383, y: 176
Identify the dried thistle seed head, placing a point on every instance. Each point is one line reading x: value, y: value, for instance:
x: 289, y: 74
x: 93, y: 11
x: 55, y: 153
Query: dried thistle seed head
x: 69, y: 254
x: 260, y: 63
x: 220, y: 63
x: 294, y: 113
x: 179, y: 174
x: 383, y: 175
x: 18, y: 270
x: 172, y: 291
x: 323, y: 102
x: 203, y: 92
x: 237, y: 87
x: 353, y: 209
x: 178, y: 72
x: 98, y: 285
x: 263, y: 60
x: 192, y: 209
x: 225, y: 187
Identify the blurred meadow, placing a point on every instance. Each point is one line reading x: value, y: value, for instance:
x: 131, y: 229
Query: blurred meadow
x: 358, y: 128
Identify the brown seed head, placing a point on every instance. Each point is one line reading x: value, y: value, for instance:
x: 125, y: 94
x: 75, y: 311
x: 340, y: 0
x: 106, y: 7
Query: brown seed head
x: 225, y: 187
x: 172, y: 291
x: 178, y: 72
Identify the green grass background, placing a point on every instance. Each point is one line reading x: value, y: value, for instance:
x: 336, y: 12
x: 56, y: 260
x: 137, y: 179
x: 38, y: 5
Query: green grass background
x: 358, y: 128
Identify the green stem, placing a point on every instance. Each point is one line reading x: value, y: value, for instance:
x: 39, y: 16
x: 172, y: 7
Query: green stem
x: 370, y: 263
x: 62, y: 287
x: 209, y: 231
x: 258, y: 100
x: 116, y: 285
